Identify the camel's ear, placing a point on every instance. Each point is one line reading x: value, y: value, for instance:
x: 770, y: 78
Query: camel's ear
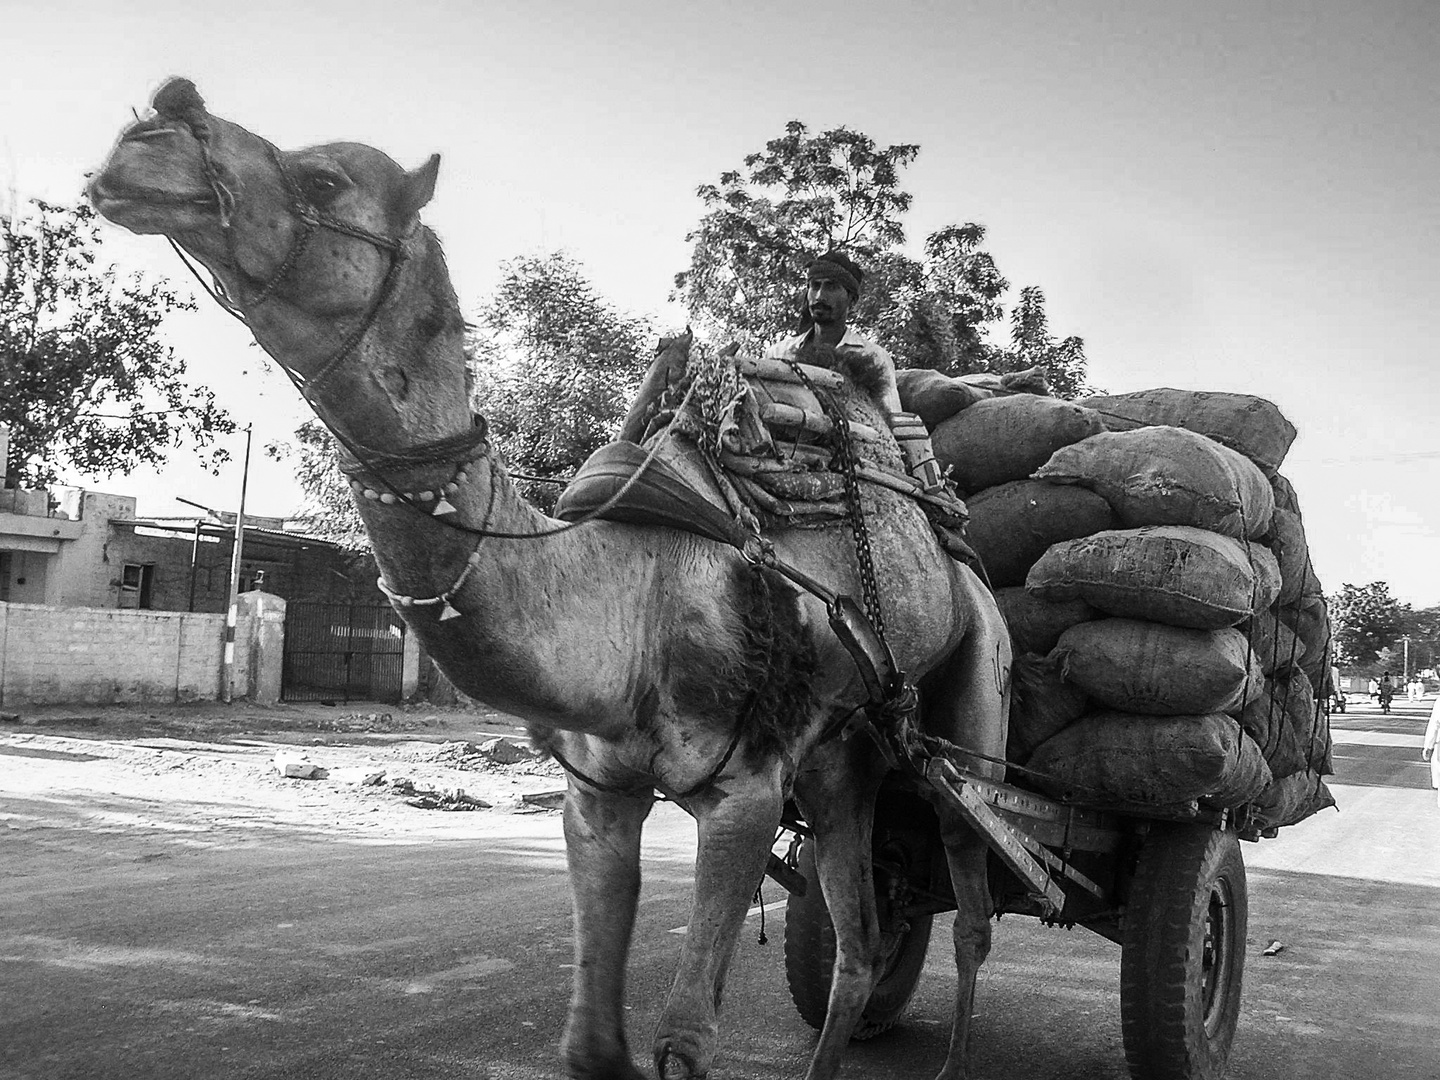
x: 418, y: 189
x: 178, y: 98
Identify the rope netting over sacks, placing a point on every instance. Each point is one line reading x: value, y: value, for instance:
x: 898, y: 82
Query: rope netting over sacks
x: 1172, y: 641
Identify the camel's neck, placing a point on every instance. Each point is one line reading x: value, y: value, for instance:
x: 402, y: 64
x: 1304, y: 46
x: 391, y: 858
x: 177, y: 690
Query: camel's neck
x: 513, y: 644
x: 546, y: 627
x: 404, y: 383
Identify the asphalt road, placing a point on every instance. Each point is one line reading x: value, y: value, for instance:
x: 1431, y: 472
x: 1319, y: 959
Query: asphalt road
x: 315, y: 957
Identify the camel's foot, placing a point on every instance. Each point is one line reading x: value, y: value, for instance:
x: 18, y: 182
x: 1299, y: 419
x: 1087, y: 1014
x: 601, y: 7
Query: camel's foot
x: 679, y: 1058
x: 957, y: 1071
x: 597, y: 1059
x: 622, y: 1069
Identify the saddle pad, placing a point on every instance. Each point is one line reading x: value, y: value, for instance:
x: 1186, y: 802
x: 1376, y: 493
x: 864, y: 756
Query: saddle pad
x: 660, y: 495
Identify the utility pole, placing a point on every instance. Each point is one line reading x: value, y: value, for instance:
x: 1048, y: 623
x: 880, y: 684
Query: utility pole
x: 227, y: 678
x: 195, y: 545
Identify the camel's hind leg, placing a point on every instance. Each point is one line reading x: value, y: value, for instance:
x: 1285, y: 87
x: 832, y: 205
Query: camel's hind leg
x: 737, y: 820
x: 967, y: 701
x: 602, y: 847
x: 836, y: 793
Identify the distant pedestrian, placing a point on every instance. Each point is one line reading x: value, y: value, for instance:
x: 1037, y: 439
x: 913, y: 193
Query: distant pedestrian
x: 1427, y: 753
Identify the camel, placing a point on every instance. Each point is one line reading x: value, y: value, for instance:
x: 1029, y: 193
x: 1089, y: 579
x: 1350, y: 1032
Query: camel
x: 646, y: 658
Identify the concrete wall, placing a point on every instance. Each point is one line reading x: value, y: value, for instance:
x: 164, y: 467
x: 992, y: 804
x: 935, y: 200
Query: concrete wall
x: 101, y: 656
x: 84, y: 572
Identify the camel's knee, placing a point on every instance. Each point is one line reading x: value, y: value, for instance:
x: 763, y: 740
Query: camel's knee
x: 972, y: 937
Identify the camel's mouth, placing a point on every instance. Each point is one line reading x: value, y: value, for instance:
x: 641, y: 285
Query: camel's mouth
x: 138, y: 206
x: 111, y: 191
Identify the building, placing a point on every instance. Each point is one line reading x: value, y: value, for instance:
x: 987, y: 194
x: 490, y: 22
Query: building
x: 78, y: 548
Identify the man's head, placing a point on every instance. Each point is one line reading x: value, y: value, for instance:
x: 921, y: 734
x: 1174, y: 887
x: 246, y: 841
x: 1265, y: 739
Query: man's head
x: 832, y: 286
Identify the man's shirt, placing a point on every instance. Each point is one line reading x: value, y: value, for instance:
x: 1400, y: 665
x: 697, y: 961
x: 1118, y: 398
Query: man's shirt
x: 859, y: 352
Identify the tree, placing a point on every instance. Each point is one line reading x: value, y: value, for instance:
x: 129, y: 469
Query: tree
x: 1365, y: 621
x: 1033, y: 346
x: 555, y: 367
x: 85, y: 382
x: 804, y: 194
x: 800, y: 196
x: 329, y: 511
x: 1422, y: 627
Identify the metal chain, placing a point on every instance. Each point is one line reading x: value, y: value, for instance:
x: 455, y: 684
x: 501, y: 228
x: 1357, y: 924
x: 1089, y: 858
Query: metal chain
x: 869, y: 590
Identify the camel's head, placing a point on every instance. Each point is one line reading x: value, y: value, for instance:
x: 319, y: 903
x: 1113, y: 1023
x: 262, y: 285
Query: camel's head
x: 241, y: 206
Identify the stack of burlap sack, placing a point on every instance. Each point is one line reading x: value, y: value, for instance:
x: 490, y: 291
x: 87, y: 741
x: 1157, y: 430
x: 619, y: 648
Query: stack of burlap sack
x: 1172, y: 643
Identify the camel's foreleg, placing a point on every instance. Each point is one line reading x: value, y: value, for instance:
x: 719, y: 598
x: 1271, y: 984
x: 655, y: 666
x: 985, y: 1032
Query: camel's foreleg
x: 967, y: 701
x: 836, y: 794
x: 602, y: 847
x: 737, y: 819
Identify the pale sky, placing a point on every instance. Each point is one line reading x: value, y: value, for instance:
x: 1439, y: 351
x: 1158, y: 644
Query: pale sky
x: 1238, y: 195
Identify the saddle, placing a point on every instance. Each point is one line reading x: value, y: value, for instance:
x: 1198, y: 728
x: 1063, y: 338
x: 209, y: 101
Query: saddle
x: 763, y: 426
x: 624, y: 483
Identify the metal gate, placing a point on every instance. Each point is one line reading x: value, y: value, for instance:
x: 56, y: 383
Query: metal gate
x: 342, y: 652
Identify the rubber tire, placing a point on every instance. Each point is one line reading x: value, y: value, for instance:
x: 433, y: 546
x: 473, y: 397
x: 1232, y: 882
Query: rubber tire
x: 1179, y: 985
x: 810, y: 959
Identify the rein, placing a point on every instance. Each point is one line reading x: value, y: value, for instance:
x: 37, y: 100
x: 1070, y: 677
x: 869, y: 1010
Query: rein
x: 862, y: 637
x: 313, y: 219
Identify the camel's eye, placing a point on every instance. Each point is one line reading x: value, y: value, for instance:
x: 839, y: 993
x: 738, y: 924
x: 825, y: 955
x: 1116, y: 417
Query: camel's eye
x: 322, y: 185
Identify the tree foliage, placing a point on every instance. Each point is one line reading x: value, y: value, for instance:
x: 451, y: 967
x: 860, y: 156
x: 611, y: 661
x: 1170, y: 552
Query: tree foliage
x: 808, y: 193
x: 1365, y: 621
x: 329, y: 510
x: 555, y: 367
x: 85, y: 382
x: 1422, y: 626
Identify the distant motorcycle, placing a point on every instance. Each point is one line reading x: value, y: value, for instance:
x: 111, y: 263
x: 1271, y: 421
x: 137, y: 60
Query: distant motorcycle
x: 1337, y: 702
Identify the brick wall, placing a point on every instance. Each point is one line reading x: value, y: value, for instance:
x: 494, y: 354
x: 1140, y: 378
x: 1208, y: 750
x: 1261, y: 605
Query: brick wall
x: 101, y: 656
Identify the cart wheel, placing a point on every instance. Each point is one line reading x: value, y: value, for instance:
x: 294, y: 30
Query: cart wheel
x: 810, y: 958
x: 1183, y: 954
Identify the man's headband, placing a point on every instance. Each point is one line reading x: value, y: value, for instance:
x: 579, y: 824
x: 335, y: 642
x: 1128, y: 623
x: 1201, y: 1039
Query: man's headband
x: 835, y: 267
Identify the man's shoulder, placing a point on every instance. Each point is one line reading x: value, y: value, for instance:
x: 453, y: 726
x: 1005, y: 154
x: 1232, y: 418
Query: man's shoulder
x: 854, y: 340
x: 788, y: 347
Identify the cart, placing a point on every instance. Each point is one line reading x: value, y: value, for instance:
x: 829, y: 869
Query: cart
x: 1170, y: 891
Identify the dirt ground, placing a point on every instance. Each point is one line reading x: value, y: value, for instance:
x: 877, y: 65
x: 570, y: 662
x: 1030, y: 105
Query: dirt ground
x: 209, y: 770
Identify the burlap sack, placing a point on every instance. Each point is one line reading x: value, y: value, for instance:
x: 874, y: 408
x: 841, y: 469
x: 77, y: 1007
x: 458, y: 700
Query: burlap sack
x: 1308, y: 718
x: 1157, y: 670
x: 1288, y: 800
x: 936, y: 397
x: 1168, y: 476
x: 1311, y: 623
x: 1285, y: 496
x: 1267, y: 720
x: 1036, y: 624
x: 1175, y: 575
x: 1251, y: 425
x: 1008, y: 438
x: 1042, y: 703
x: 1287, y: 541
x: 1112, y: 757
x: 1274, y: 644
x: 1012, y: 524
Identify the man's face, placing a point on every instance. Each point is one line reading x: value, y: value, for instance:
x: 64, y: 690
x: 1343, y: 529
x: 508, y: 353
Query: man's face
x: 827, y: 300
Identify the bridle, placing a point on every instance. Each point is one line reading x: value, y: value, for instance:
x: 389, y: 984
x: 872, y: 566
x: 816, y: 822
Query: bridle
x: 459, y: 450
x: 886, y: 687
x: 312, y: 220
